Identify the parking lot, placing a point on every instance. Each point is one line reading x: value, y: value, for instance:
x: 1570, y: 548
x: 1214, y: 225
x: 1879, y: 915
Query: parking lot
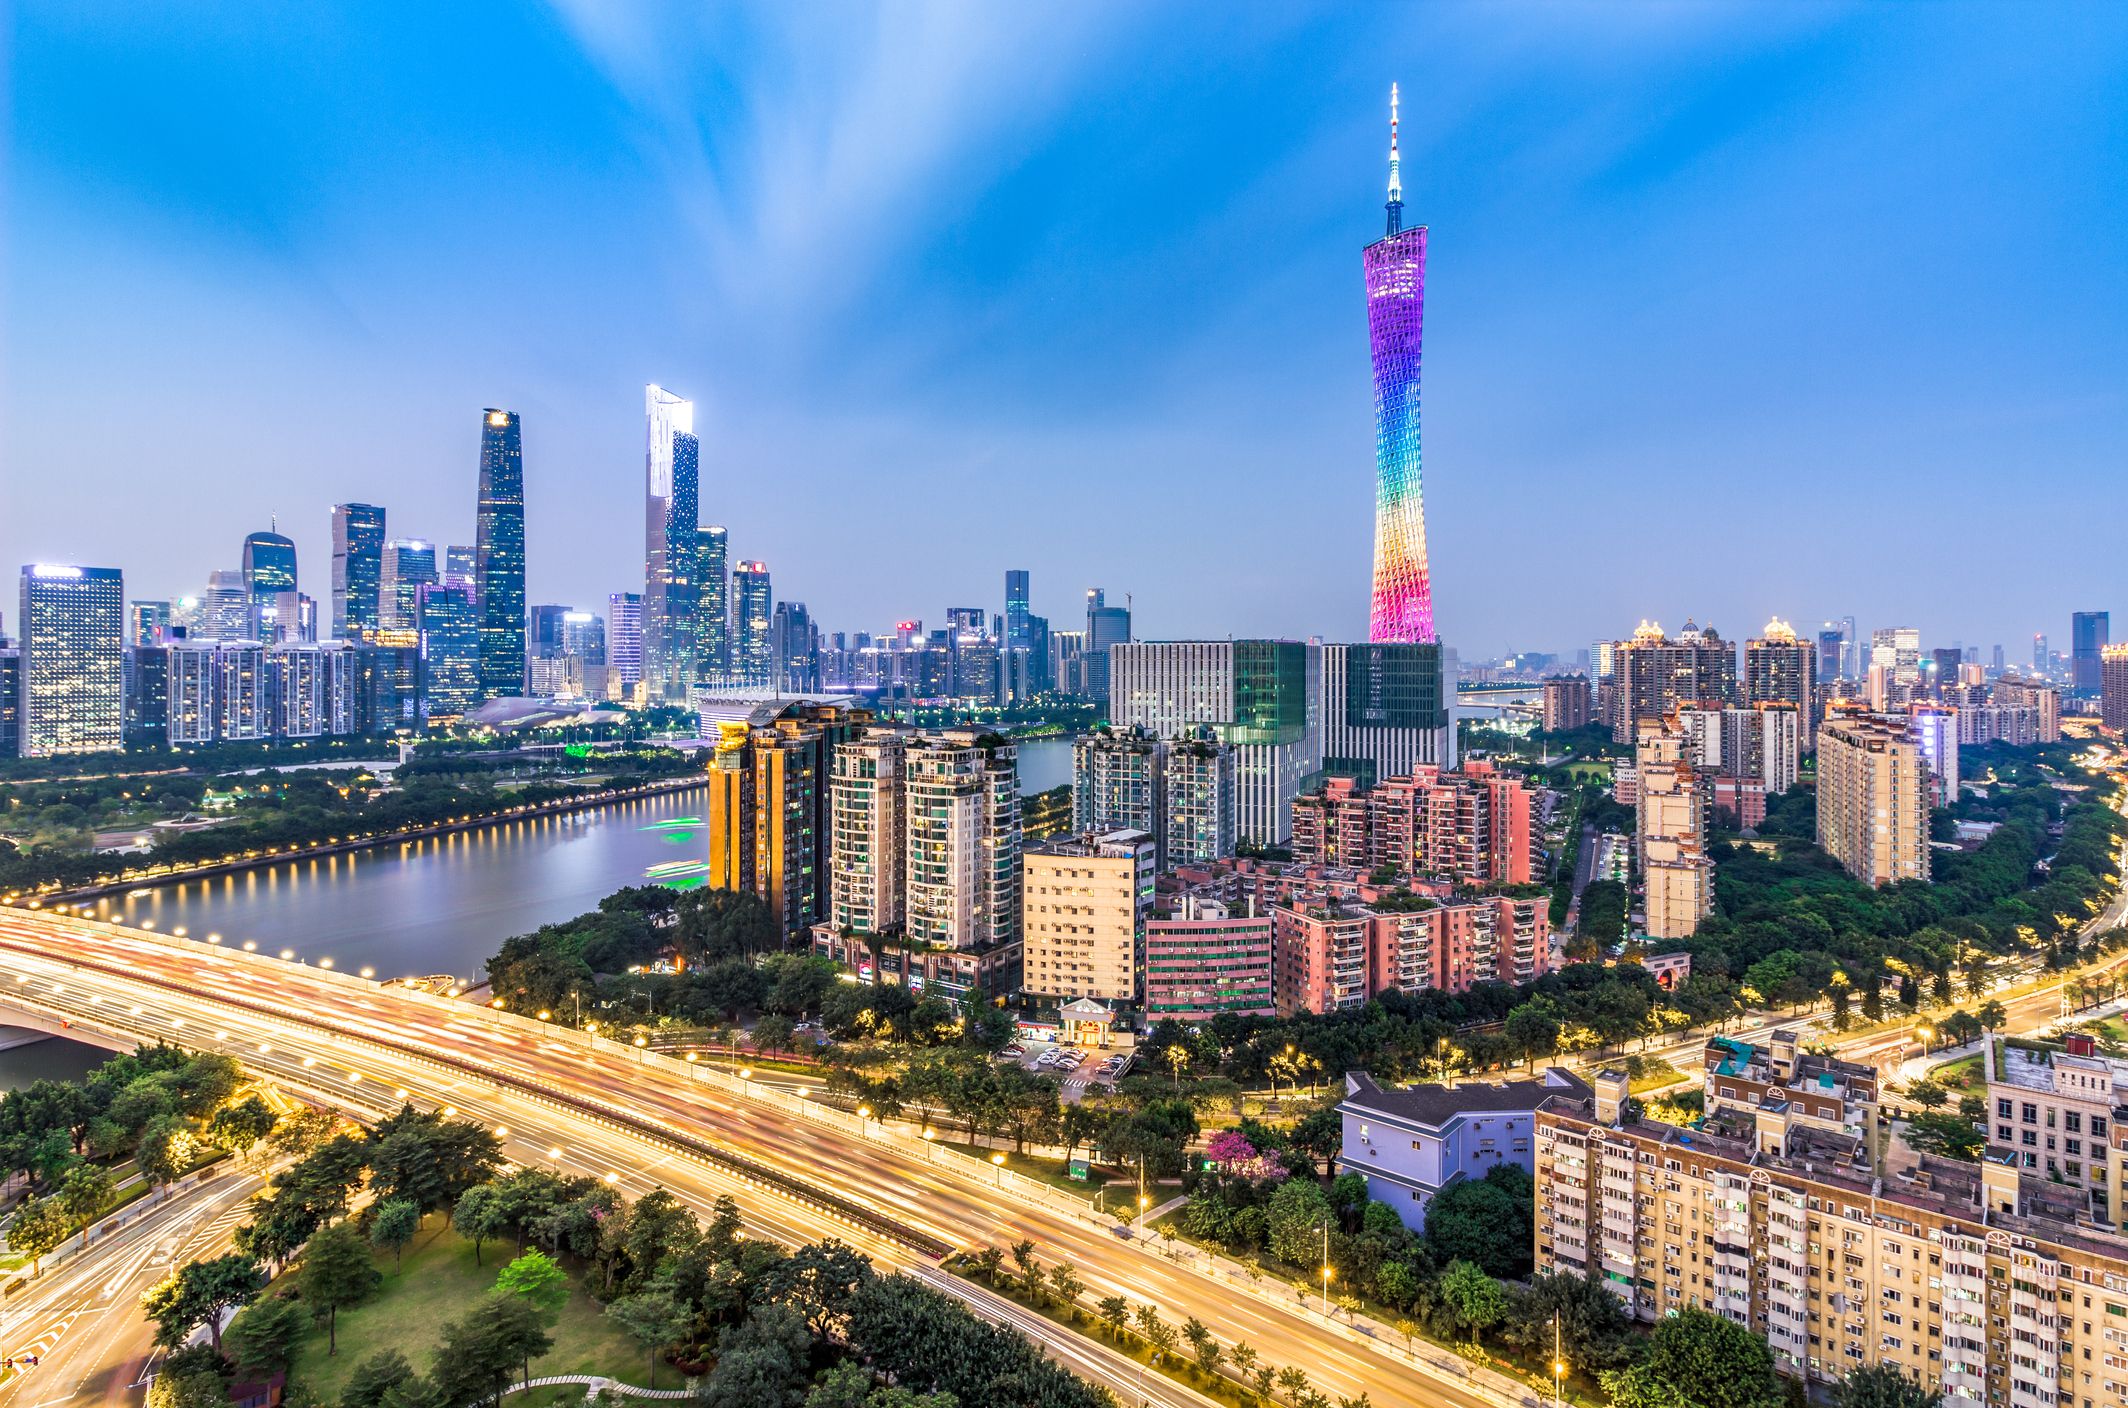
x: 1076, y: 1065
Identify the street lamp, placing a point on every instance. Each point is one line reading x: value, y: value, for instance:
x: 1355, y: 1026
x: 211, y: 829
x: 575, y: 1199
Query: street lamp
x: 1558, y: 1361
x: 998, y: 1162
x: 1326, y: 1267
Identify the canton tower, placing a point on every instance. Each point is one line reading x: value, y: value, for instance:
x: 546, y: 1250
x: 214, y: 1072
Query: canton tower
x: 1396, y: 297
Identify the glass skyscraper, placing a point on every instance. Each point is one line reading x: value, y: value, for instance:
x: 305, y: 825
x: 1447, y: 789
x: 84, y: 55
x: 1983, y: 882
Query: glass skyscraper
x: 450, y: 653
x: 357, y: 570
x: 672, y: 467
x: 499, y: 555
x: 72, y: 660
x: 409, y: 565
x: 1396, y: 298
x: 624, y: 636
x: 712, y: 605
x: 269, y: 564
x: 753, y: 651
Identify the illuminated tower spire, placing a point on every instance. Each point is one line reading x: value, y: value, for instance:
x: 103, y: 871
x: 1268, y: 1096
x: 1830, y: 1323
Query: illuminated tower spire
x: 1396, y: 179
x: 1396, y: 304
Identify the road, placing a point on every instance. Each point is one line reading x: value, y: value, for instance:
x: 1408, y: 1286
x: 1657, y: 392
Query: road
x: 592, y: 1107
x: 82, y: 1319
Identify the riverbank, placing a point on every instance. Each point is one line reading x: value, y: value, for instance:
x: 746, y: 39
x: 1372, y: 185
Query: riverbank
x: 160, y: 876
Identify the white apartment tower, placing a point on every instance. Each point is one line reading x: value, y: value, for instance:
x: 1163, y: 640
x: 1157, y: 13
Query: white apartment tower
x: 866, y: 845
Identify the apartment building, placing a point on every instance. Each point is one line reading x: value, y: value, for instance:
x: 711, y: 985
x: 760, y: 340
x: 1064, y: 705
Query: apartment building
x: 1085, y: 900
x: 1471, y: 825
x: 1671, y: 830
x: 1410, y: 1143
x: 1208, y: 957
x: 1328, y: 955
x: 1874, y: 791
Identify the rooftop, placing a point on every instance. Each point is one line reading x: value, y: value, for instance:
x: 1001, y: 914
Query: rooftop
x: 1436, y: 1105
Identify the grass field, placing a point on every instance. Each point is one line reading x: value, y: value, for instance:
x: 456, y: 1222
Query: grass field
x: 438, y: 1282
x: 1960, y: 1075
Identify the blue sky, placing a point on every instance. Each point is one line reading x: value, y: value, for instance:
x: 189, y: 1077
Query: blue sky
x: 1733, y: 310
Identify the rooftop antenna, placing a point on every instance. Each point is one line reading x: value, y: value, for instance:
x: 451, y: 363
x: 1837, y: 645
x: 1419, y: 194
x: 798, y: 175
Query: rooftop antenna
x: 1396, y: 179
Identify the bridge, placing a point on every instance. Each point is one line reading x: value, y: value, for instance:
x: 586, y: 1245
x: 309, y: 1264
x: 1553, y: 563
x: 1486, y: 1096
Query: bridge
x: 637, y: 1119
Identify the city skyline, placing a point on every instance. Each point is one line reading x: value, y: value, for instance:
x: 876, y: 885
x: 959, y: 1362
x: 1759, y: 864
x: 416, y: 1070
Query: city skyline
x: 1694, y: 396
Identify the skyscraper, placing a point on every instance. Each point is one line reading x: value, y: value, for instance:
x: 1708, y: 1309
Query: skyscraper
x: 226, y: 607
x: 1396, y: 298
x: 147, y: 623
x: 72, y: 660
x: 409, y: 564
x: 450, y: 653
x: 1018, y: 633
x: 357, y: 569
x: 2090, y: 632
x: 753, y: 657
x: 499, y: 555
x: 1106, y: 626
x: 269, y: 564
x: 713, y: 609
x: 461, y: 569
x: 672, y: 469
x: 624, y: 636
x: 1780, y: 669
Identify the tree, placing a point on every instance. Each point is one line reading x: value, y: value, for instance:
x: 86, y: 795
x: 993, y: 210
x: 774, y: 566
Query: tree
x: 38, y: 1228
x: 1594, y: 1333
x: 1697, y: 1359
x: 1927, y: 1095
x: 654, y: 1320
x: 197, y: 1294
x: 535, y: 1277
x: 1952, y: 1136
x: 393, y: 1226
x: 1489, y: 1221
x: 760, y: 1362
x: 1883, y: 1386
x: 86, y: 1192
x: 337, y: 1271
x: 1991, y: 1014
x: 479, y: 1216
x: 819, y: 1281
x: 191, y: 1379
x: 263, y: 1337
x: 1065, y: 1284
x: 1114, y: 1312
x: 1202, y: 1344
x: 239, y: 1127
x: 167, y: 1148
x: 481, y: 1351
x: 1475, y: 1299
x: 375, y: 1377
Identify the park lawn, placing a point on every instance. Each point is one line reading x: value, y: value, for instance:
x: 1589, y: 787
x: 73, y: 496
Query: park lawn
x: 1960, y: 1075
x: 438, y: 1282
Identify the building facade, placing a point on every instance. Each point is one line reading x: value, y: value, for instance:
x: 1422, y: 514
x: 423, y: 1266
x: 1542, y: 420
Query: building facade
x: 1206, y: 958
x: 1410, y: 1143
x: 1779, y: 668
x: 1670, y: 832
x: 961, y: 875
x: 358, y: 537
x: 71, y: 660
x: 1386, y: 709
x: 499, y: 555
x: 1085, y: 900
x: 1873, y: 797
x: 672, y: 472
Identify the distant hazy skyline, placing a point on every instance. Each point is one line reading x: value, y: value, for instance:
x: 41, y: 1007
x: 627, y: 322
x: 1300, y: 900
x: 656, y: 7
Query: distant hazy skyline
x: 1733, y: 311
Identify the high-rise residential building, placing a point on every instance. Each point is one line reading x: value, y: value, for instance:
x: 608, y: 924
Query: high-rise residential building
x: 409, y: 564
x: 147, y: 696
x: 1567, y: 703
x: 1934, y: 729
x: 770, y: 812
x: 962, y: 840
x: 1652, y: 674
x: 2113, y: 687
x: 1019, y: 633
x: 1197, y: 818
x: 1746, y: 755
x: 753, y: 658
x: 1331, y: 954
x: 147, y: 623
x: 1873, y: 797
x: 10, y: 701
x: 1779, y: 668
x: 1086, y: 898
x: 868, y: 859
x: 2041, y: 657
x: 1670, y: 831
x: 1386, y: 709
x: 243, y: 693
x: 71, y: 660
x: 1106, y: 626
x: 713, y: 605
x: 449, y: 627
x: 672, y: 462
x: 1471, y: 826
x: 1896, y: 649
x: 624, y: 637
x: 2089, y: 634
x: 1117, y: 781
x: 269, y: 564
x: 191, y: 715
x: 2040, y: 697
x: 1260, y: 696
x: 1396, y: 296
x: 499, y: 555
x: 357, y: 570
x: 312, y: 690
x: 225, y: 608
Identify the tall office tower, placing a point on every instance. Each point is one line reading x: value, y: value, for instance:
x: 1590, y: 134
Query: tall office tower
x: 962, y: 841
x: 2113, y: 686
x: 190, y: 712
x: 225, y: 608
x: 1396, y: 301
x: 147, y: 623
x: 672, y: 463
x: 269, y: 564
x: 794, y: 649
x: 624, y: 636
x: 1873, y: 797
x: 1995, y: 660
x: 1117, y: 781
x: 1781, y: 669
x: 1197, y: 816
x: 770, y: 808
x: 10, y: 702
x: 713, y: 605
x: 499, y: 555
x: 1385, y: 709
x: 72, y: 660
x: 867, y: 857
x: 2089, y: 634
x: 1260, y: 696
x: 543, y: 630
x: 1940, y: 671
x: 2040, y: 654
x: 409, y: 564
x: 1083, y: 918
x: 1019, y: 633
x: 449, y: 625
x: 387, y: 683
x: 1567, y: 703
x: 147, y: 696
x: 1897, y: 649
x: 1106, y: 626
x: 964, y: 620
x: 1653, y: 674
x: 357, y: 570
x: 753, y: 653
x: 1832, y: 651
x: 461, y: 569
x: 279, y: 616
x: 1934, y: 730
x: 1671, y: 831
